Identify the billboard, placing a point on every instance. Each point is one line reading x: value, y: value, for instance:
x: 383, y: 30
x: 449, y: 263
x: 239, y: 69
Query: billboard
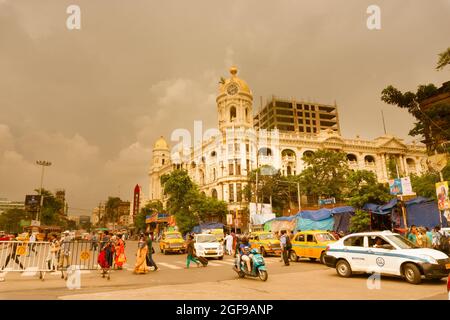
x: 401, y: 186
x: 442, y: 195
x: 395, y: 186
x: 32, y: 202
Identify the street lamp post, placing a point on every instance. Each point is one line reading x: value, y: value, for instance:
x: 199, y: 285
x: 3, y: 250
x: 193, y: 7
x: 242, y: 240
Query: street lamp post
x: 43, y: 164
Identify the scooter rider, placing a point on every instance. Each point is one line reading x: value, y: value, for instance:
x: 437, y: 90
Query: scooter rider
x: 246, y: 256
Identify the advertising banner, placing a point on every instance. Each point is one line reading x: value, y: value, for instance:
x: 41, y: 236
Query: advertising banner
x: 442, y: 195
x: 406, y: 186
x: 395, y: 186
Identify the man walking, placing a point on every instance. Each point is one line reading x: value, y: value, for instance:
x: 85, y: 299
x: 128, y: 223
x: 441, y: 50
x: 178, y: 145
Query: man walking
x: 32, y: 244
x: 150, y: 261
x: 286, y: 246
x: 229, y: 244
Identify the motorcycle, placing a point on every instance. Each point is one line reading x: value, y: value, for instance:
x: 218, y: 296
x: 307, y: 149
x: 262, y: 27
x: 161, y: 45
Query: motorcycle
x: 258, y: 266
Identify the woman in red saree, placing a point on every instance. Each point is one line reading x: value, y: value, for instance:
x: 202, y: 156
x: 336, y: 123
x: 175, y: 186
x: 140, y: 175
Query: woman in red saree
x: 120, y: 257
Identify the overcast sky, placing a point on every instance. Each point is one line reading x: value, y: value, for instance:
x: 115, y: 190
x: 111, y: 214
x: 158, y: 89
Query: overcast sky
x: 94, y: 100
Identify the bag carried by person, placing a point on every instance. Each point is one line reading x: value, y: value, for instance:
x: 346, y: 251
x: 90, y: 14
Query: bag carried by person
x: 203, y: 261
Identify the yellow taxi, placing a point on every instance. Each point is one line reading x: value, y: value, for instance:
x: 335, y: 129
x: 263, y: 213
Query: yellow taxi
x: 265, y: 242
x: 172, y: 241
x: 23, y: 236
x: 311, y: 244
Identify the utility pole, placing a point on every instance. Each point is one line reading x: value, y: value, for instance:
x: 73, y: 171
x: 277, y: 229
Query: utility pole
x: 256, y: 193
x: 43, y: 164
x: 298, y: 197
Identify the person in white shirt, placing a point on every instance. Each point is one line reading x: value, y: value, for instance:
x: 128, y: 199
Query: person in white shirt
x: 32, y: 244
x: 229, y: 244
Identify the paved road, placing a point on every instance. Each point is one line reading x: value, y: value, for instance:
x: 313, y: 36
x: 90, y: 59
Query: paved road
x: 302, y: 280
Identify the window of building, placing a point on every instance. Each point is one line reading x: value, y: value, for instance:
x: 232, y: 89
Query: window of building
x: 308, y: 121
x: 307, y: 114
x: 230, y: 148
x: 248, y: 165
x: 301, y: 129
x: 239, y: 192
x: 162, y: 162
x: 214, y: 174
x: 214, y: 193
x: 306, y: 107
x: 231, y: 192
x: 231, y: 168
x: 247, y: 148
x: 289, y: 170
x: 232, y: 113
x: 313, y: 108
x: 308, y: 129
x: 238, y: 167
x: 237, y: 147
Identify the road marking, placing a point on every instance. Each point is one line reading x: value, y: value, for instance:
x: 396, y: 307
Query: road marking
x: 170, y: 266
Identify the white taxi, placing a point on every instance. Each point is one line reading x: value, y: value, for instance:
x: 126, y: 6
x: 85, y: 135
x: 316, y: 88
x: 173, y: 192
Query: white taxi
x: 386, y: 253
x: 207, y: 245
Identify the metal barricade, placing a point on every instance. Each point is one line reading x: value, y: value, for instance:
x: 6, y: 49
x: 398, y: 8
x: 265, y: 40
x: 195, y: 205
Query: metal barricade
x: 80, y: 255
x: 26, y: 257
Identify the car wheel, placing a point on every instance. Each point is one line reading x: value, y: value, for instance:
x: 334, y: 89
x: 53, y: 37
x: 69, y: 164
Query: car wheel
x: 343, y: 269
x: 322, y: 257
x: 412, y: 273
x: 293, y: 256
x: 221, y: 258
x: 263, y: 252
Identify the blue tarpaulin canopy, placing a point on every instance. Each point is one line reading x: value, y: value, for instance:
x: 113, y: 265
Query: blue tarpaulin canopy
x: 207, y: 225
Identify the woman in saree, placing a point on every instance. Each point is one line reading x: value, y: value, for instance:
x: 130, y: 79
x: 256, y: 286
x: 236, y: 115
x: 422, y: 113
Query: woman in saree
x: 120, y: 258
x: 141, y: 258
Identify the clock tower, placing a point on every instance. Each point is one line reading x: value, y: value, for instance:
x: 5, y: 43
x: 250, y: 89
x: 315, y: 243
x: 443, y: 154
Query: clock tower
x: 234, y: 103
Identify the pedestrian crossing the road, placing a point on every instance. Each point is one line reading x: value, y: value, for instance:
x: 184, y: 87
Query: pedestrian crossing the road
x: 173, y: 265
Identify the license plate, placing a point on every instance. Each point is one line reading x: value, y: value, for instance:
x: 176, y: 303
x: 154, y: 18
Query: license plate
x: 447, y: 266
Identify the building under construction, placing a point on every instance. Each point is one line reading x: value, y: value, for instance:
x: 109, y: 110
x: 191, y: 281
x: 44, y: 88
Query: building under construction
x: 297, y: 116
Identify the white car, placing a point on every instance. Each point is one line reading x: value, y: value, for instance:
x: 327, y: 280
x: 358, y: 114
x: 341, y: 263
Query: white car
x: 386, y: 253
x: 207, y: 245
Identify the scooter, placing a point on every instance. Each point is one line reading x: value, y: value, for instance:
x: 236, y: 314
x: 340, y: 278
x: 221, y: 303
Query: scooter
x: 258, y: 266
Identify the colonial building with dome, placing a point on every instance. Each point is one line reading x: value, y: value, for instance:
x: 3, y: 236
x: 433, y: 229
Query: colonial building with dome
x: 220, y: 162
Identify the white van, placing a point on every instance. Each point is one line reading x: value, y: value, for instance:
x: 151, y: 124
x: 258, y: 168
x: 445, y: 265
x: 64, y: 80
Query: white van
x: 386, y: 253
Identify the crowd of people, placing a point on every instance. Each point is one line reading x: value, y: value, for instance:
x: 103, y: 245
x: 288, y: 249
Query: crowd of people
x: 424, y: 238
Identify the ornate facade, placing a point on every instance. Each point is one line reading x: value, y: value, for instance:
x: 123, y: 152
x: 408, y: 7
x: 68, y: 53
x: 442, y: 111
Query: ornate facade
x: 219, y: 164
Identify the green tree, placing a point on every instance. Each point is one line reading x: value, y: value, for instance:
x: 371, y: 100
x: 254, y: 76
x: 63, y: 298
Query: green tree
x: 363, y: 187
x: 112, y: 209
x: 10, y: 220
x: 148, y: 209
x: 360, y: 222
x: 51, y: 209
x: 444, y: 59
x: 425, y: 184
x: 325, y: 174
x: 272, y: 187
x: 433, y: 123
x: 186, y: 203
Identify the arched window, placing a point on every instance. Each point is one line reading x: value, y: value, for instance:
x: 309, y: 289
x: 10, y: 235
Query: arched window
x: 232, y: 113
x: 202, y: 177
x: 214, y: 174
x: 162, y: 161
x: 265, y: 152
x: 214, y: 193
x: 288, y: 153
x: 308, y: 153
x: 351, y: 157
x: 213, y: 154
x: 246, y: 113
x: 193, y: 165
x: 369, y: 159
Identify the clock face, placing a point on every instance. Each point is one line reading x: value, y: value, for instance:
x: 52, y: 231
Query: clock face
x: 232, y: 89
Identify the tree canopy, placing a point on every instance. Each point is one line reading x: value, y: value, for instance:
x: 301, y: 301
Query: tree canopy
x: 325, y: 174
x: 187, y: 204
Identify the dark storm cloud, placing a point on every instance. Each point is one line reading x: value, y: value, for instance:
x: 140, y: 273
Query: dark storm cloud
x: 93, y: 101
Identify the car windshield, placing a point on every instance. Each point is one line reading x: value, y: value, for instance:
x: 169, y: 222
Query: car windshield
x: 401, y: 242
x: 266, y: 236
x: 206, y: 238
x: 173, y: 236
x: 321, y: 237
